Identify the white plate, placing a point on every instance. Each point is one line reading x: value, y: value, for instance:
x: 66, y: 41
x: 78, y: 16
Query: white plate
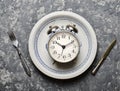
x: 39, y: 38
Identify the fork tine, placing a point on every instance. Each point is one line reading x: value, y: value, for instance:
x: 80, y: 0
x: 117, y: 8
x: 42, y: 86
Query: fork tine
x: 11, y: 35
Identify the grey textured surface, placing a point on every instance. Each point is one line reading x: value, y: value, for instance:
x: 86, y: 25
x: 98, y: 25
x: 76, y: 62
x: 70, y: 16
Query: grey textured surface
x: 21, y: 15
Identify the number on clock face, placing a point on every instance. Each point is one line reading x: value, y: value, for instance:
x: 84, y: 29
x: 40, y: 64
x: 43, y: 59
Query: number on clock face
x: 63, y: 47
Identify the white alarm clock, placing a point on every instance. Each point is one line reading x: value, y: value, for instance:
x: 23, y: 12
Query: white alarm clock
x: 63, y: 45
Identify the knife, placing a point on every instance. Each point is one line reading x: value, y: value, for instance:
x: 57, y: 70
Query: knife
x: 104, y: 56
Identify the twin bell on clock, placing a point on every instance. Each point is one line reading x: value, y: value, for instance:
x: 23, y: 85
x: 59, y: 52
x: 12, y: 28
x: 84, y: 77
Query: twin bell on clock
x: 63, y: 45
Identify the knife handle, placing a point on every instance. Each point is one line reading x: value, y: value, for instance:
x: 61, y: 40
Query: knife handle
x: 24, y: 63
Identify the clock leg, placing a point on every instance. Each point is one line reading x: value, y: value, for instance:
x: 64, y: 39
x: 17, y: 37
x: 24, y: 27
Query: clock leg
x: 54, y: 62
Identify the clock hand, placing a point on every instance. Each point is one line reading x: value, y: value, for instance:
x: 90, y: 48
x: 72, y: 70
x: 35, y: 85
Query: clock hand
x: 62, y: 52
x: 63, y: 47
x: 58, y: 44
x: 69, y: 43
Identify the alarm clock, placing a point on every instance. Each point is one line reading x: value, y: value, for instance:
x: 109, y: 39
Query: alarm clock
x: 63, y: 45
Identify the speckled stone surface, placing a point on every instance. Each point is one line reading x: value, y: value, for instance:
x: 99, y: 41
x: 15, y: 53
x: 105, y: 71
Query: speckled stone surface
x: 21, y: 15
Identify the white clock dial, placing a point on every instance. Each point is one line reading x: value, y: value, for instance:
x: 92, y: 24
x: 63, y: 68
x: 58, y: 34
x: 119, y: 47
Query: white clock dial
x: 63, y: 47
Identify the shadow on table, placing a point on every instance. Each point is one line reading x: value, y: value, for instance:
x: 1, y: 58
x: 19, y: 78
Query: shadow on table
x: 69, y: 81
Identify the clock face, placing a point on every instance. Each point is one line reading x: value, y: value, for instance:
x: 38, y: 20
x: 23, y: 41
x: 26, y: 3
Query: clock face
x: 63, y: 47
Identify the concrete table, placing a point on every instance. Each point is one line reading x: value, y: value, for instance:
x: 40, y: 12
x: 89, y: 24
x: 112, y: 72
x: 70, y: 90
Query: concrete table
x: 21, y: 15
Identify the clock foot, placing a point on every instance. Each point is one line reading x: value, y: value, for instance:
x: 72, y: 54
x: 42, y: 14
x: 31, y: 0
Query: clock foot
x: 54, y: 62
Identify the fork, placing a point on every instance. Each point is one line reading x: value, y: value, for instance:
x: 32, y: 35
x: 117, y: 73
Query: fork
x: 16, y: 46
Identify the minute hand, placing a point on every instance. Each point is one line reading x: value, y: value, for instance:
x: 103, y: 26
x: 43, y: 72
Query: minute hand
x: 69, y: 43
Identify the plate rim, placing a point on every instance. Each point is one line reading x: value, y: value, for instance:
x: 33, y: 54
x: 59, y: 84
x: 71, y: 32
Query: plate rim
x: 32, y: 36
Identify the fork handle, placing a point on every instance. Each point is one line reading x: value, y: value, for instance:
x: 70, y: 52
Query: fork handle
x: 24, y: 63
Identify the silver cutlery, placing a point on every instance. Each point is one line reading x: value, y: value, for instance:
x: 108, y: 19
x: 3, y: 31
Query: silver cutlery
x: 104, y: 56
x: 16, y: 46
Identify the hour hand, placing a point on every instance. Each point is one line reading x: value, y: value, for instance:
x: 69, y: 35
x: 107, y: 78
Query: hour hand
x: 58, y: 44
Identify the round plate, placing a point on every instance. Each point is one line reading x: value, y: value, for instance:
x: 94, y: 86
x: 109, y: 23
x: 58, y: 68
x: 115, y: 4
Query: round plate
x: 39, y: 38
